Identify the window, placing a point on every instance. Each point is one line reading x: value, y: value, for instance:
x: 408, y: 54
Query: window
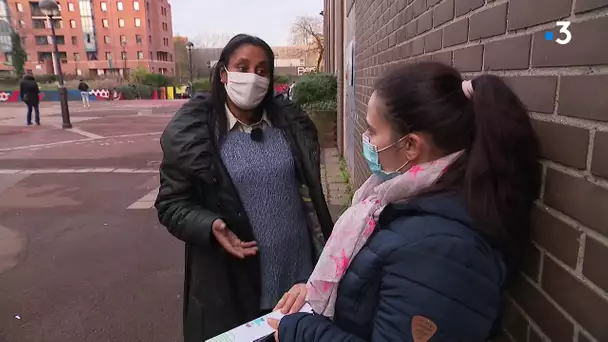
x: 123, y: 56
x: 19, y: 7
x: 105, y: 23
x: 21, y: 23
x: 42, y: 40
x: 104, y: 6
x: 88, y: 39
x: 107, y: 39
x: 38, y: 23
x: 136, y: 5
x: 149, y: 39
x: 140, y: 55
x: 91, y: 56
x: 138, y: 39
x: 121, y: 23
x: 60, y: 40
x: 76, y: 56
x: 123, y: 39
x: 71, y: 7
x: 137, y: 22
x: 108, y: 56
x: 119, y: 5
x: 151, y: 56
x: 73, y: 23
x: 74, y: 40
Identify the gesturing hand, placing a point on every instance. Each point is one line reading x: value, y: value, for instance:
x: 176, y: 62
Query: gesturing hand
x: 230, y: 242
x: 293, y: 300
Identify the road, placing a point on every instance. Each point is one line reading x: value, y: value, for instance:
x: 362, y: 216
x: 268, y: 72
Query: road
x: 82, y: 255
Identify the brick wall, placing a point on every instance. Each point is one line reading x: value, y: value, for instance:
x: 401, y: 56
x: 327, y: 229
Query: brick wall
x: 562, y: 291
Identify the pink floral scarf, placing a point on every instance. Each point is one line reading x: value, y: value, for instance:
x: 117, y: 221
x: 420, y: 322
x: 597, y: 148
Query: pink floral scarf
x: 357, y: 224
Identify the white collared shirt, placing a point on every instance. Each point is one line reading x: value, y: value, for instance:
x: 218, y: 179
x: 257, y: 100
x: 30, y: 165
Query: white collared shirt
x: 235, y: 124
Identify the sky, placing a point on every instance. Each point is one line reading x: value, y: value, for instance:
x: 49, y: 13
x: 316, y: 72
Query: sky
x: 268, y: 19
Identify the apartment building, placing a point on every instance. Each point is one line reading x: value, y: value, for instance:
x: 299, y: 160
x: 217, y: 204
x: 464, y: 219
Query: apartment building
x: 95, y: 37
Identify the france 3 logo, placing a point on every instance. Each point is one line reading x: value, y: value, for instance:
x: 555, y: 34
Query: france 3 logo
x: 565, y: 35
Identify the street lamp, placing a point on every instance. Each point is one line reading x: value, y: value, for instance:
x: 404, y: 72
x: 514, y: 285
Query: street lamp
x: 51, y: 9
x: 123, y: 43
x: 189, y: 46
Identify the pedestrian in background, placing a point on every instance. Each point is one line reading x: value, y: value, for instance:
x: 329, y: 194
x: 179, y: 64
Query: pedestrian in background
x: 30, y: 95
x: 292, y: 87
x: 83, y: 87
x: 240, y: 184
x: 425, y: 251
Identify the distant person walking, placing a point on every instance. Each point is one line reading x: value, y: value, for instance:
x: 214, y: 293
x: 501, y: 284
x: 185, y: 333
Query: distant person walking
x: 83, y: 87
x: 291, y: 89
x: 30, y: 95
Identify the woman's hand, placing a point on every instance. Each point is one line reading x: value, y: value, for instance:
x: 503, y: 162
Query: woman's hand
x: 274, y: 324
x: 293, y: 300
x: 230, y: 242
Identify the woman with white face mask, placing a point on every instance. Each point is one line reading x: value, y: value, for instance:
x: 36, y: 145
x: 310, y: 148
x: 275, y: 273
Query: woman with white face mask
x: 240, y: 185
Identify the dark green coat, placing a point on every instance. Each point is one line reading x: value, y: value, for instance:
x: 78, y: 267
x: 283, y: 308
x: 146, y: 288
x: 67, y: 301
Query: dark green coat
x: 220, y: 291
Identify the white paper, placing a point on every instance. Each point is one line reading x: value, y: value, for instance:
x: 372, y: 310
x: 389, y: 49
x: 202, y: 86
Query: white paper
x: 253, y: 330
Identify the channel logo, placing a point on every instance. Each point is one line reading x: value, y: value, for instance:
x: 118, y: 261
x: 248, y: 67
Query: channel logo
x: 565, y: 35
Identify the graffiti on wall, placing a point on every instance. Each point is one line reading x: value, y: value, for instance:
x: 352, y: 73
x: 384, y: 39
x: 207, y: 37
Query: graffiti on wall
x: 53, y: 95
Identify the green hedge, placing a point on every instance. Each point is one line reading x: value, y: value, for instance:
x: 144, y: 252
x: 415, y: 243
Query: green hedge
x: 316, y: 88
x: 201, y: 85
x: 134, y: 91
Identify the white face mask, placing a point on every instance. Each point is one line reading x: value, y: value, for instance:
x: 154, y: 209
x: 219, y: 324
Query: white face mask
x: 246, y: 90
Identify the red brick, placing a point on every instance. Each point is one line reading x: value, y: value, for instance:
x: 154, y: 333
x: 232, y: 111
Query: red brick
x: 585, y: 306
x: 526, y: 13
x: 599, y: 163
x: 432, y: 41
x: 588, y: 46
x: 515, y: 323
x: 512, y: 53
x: 577, y: 198
x: 530, y: 261
x: 588, y: 5
x: 469, y: 58
x: 456, y: 33
x: 444, y: 57
x: 584, y: 97
x: 418, y: 46
x: 536, y: 92
x: 410, y: 30
x: 419, y: 6
x: 490, y: 22
x: 534, y: 337
x: 425, y: 22
x: 594, y: 263
x: 564, y: 144
x: 443, y: 13
x: 466, y: 6
x: 543, y: 313
x: 558, y: 238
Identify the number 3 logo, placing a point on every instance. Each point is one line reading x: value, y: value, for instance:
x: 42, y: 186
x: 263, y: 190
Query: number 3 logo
x: 564, y: 30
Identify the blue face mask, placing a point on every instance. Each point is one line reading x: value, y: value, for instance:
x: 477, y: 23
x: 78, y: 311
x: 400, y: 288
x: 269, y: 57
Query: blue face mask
x: 372, y: 156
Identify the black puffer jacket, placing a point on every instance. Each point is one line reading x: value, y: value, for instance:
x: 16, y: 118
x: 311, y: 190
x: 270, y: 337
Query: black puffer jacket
x: 222, y: 292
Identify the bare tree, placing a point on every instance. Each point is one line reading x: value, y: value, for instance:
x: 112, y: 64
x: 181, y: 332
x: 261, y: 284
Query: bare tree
x: 211, y: 40
x: 309, y: 31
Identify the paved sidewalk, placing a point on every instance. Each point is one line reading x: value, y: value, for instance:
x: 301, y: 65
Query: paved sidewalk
x: 334, y: 184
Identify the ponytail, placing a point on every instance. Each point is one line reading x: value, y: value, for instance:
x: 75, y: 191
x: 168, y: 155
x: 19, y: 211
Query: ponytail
x: 498, y: 174
x: 502, y: 174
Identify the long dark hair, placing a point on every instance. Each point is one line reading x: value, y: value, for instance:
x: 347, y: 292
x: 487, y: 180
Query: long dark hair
x: 218, y: 92
x: 499, y: 173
